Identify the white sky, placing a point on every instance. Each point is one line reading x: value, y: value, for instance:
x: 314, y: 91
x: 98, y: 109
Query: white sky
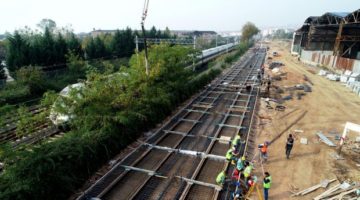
x: 218, y: 15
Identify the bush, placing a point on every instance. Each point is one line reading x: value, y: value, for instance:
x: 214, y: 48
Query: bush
x: 33, y: 77
x: 14, y: 92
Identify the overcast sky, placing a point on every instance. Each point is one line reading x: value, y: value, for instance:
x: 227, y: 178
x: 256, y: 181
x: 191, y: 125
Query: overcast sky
x: 218, y: 15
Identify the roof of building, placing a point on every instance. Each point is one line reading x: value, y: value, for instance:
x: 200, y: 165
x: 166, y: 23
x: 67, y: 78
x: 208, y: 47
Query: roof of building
x: 338, y: 14
x: 353, y: 17
x: 310, y: 19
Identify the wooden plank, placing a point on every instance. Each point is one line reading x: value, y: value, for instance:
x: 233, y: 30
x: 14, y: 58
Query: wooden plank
x: 201, y: 106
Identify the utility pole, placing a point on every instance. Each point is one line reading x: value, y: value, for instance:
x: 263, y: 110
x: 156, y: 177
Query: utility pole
x: 194, y: 52
x: 216, y: 40
x: 146, y: 6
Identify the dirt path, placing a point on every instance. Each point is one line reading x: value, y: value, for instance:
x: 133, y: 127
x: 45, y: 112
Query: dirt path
x: 326, y: 109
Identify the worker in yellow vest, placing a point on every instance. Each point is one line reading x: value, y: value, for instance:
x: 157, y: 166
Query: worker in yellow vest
x: 236, y: 141
x: 267, y: 184
x: 229, y: 154
x: 220, y: 179
x: 247, y: 170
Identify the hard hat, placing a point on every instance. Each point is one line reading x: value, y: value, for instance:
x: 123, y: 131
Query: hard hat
x: 243, y: 158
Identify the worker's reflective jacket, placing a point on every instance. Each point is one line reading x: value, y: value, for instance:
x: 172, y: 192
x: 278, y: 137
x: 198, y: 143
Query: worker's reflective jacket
x: 220, y: 179
x: 267, y: 182
x: 264, y: 148
x: 236, y: 140
x: 229, y: 154
x: 247, y: 171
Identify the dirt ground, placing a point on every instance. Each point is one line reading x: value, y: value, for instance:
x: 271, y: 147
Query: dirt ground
x: 327, y: 108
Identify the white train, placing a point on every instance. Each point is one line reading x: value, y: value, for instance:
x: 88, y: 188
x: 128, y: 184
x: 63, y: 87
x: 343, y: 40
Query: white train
x: 216, y: 50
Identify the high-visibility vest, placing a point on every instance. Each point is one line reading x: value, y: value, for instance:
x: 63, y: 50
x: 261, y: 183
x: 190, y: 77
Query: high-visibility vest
x: 229, y: 154
x: 247, y: 171
x: 268, y: 185
x: 220, y: 179
x: 236, y: 140
x: 264, y: 148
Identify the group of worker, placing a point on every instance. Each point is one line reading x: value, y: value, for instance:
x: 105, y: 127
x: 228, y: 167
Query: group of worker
x: 243, y: 170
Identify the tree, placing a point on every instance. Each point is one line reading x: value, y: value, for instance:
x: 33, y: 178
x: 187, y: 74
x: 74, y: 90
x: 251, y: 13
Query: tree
x: 75, y: 63
x: 74, y: 45
x: 2, y: 72
x: 90, y: 49
x: 47, y: 23
x: 248, y: 31
x: 116, y: 44
x: 167, y: 33
x: 47, y: 45
x: 61, y: 49
x: 152, y: 32
x: 100, y: 50
x: 128, y: 42
x: 17, y: 52
x: 2, y: 50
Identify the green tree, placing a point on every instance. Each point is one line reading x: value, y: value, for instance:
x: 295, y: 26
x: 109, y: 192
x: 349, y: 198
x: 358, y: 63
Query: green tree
x: 128, y: 42
x: 117, y: 47
x: 2, y: 50
x: 74, y: 45
x: 17, y: 52
x: 75, y: 63
x: 2, y: 72
x: 61, y: 49
x: 90, y: 48
x: 167, y: 33
x: 47, y: 24
x: 100, y: 50
x: 248, y: 31
x: 47, y: 44
x: 152, y: 33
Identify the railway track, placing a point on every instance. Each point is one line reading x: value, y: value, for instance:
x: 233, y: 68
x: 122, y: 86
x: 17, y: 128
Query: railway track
x: 42, y: 130
x: 181, y: 160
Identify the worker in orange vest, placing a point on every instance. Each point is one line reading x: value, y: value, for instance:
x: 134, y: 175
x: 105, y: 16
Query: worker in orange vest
x: 264, y: 150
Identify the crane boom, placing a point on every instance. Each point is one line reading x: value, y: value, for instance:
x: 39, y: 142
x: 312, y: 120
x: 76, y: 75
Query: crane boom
x: 144, y: 15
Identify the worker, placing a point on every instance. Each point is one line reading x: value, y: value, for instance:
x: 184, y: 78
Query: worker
x: 240, y: 164
x: 235, y: 175
x: 268, y: 87
x: 235, y: 154
x: 247, y: 170
x: 248, y: 87
x: 220, y: 179
x: 229, y: 154
x: 236, y: 141
x: 289, y: 145
x: 267, y: 184
x: 252, y: 181
x: 263, y: 150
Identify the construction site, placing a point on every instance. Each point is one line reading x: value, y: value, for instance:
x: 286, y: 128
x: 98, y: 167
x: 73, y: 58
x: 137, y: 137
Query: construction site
x: 248, y: 117
x: 277, y: 89
x: 182, y: 159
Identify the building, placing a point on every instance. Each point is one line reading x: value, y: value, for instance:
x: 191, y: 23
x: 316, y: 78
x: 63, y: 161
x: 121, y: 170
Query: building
x: 99, y: 32
x: 185, y: 33
x: 330, y: 40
